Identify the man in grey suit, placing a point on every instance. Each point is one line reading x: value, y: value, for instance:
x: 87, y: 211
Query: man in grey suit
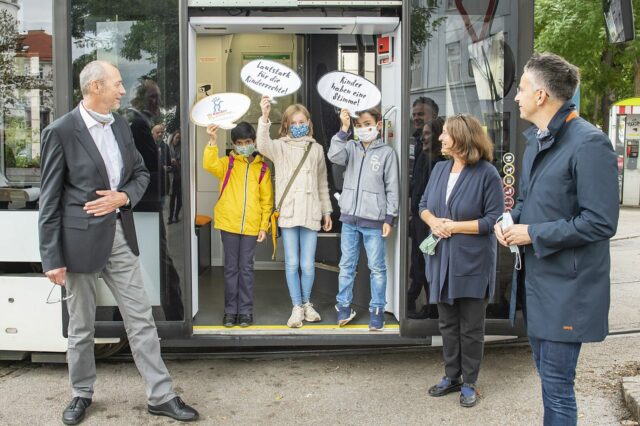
x: 92, y: 175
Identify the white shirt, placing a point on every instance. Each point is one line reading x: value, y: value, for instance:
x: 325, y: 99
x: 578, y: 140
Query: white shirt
x: 107, y: 144
x: 453, y: 178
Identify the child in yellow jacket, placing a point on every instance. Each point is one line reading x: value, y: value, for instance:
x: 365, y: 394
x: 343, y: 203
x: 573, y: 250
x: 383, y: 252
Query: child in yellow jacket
x: 241, y: 214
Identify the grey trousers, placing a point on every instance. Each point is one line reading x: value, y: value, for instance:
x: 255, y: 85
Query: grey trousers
x: 122, y: 276
x: 462, y: 329
x: 239, y: 252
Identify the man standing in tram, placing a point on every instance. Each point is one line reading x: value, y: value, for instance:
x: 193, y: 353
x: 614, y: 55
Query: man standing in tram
x: 567, y: 211
x: 92, y: 176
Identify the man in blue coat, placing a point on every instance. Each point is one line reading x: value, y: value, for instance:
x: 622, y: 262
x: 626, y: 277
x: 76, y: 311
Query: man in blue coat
x: 567, y: 211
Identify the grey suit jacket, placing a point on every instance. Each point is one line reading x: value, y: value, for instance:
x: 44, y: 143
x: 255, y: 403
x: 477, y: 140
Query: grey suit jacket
x: 72, y: 170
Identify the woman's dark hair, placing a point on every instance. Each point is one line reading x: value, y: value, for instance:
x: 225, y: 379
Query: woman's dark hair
x: 243, y: 130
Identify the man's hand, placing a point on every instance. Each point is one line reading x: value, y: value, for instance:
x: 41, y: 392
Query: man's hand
x: 212, y: 131
x: 262, y: 235
x: 265, y: 106
x: 518, y: 235
x: 386, y: 230
x: 345, y: 119
x: 439, y: 227
x: 108, y: 202
x: 326, y: 223
x: 58, y: 276
x: 497, y: 228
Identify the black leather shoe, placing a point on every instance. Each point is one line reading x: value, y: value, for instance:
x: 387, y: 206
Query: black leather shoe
x: 445, y: 386
x: 245, y: 320
x: 176, y: 409
x: 229, y: 320
x: 74, y: 413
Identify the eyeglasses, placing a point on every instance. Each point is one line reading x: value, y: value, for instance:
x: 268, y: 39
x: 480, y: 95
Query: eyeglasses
x: 50, y: 301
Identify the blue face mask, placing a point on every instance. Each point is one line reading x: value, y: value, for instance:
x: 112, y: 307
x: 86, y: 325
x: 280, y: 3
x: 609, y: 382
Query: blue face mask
x: 245, y: 150
x: 299, y: 130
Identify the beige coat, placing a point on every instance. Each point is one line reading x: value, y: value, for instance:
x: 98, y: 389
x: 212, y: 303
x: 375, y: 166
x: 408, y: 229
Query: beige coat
x: 308, y: 198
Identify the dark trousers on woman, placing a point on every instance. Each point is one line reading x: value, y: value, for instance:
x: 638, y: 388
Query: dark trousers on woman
x: 239, y: 251
x: 462, y: 330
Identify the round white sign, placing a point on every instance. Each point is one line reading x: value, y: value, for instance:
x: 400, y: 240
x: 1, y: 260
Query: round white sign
x: 270, y: 78
x: 221, y: 109
x: 347, y: 90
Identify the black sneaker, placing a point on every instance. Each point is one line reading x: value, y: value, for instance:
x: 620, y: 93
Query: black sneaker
x: 468, y: 395
x: 74, y: 413
x: 445, y: 386
x: 245, y: 320
x: 229, y: 320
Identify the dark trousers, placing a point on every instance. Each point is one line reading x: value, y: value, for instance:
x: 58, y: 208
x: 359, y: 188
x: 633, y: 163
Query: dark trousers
x: 462, y: 330
x: 417, y: 273
x: 556, y: 364
x: 239, y: 251
x: 175, y: 202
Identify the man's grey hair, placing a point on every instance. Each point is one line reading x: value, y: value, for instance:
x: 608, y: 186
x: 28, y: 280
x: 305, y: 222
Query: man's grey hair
x: 93, y: 71
x: 553, y: 74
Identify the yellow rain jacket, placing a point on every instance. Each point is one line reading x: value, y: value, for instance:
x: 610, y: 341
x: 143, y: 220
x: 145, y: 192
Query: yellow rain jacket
x: 245, y: 206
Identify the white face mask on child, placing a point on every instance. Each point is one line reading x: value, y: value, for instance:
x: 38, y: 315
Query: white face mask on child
x: 366, y: 134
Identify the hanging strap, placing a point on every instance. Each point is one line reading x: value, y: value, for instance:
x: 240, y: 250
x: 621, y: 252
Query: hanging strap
x: 276, y: 213
x: 227, y: 176
x: 263, y: 171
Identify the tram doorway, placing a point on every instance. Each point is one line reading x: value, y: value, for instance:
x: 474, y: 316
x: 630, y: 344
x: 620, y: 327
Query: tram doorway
x: 219, y: 47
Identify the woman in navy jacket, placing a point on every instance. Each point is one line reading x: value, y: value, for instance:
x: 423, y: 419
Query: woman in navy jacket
x: 461, y: 203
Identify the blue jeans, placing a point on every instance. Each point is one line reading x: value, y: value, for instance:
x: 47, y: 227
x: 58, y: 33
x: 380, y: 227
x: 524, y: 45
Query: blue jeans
x: 350, y: 247
x: 299, y: 256
x: 556, y: 365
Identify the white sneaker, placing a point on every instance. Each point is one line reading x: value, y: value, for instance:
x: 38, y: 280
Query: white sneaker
x: 310, y: 314
x: 297, y: 315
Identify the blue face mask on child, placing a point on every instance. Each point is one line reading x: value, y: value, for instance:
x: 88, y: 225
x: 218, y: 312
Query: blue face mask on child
x: 299, y: 130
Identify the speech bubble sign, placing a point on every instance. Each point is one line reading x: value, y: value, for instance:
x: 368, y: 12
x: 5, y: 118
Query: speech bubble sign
x: 348, y: 90
x: 221, y: 109
x: 270, y: 78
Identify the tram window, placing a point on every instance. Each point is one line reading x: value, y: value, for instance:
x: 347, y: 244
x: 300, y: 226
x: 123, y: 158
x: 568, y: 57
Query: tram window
x: 143, y: 43
x: 474, y: 77
x: 26, y: 90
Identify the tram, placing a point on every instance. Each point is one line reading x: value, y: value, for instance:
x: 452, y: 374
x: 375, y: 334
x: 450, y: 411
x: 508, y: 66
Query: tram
x: 429, y: 59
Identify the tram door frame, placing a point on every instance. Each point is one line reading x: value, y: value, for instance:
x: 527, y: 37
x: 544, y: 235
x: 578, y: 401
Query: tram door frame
x: 392, y: 101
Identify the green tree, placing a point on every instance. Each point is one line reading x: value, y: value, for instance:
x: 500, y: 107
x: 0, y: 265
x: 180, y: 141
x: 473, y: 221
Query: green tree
x: 575, y: 30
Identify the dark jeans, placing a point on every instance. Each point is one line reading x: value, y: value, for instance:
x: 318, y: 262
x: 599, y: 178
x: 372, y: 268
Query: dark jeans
x: 556, y: 364
x: 175, y: 202
x: 462, y: 329
x: 239, y: 251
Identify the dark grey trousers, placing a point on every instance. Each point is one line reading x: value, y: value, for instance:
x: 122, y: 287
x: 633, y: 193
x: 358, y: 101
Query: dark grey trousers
x: 239, y: 251
x: 462, y: 330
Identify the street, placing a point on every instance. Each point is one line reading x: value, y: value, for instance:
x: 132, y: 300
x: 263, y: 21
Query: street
x: 356, y: 389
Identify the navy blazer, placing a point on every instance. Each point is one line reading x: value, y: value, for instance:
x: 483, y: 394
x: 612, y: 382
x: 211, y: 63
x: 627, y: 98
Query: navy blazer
x: 467, y: 262
x: 569, y: 198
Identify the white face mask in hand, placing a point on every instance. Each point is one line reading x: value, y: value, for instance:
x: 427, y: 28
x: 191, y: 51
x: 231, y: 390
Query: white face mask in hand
x: 366, y: 134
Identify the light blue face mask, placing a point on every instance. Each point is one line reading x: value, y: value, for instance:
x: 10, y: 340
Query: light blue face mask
x: 245, y: 150
x: 299, y: 130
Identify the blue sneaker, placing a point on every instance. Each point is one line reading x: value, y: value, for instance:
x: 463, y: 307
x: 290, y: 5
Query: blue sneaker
x: 376, y: 320
x: 345, y: 314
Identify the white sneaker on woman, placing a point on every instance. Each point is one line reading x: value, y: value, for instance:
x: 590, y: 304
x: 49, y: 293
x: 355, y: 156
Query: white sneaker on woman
x: 310, y: 314
x: 297, y: 315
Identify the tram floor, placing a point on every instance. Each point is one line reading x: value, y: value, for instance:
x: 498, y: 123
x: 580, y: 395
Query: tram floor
x: 272, y: 307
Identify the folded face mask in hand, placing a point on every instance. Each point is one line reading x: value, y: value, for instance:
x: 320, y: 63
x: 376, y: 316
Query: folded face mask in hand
x: 428, y: 246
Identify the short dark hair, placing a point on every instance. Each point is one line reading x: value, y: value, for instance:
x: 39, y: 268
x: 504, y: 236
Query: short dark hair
x: 374, y: 112
x: 429, y: 102
x: 243, y: 130
x: 555, y: 74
